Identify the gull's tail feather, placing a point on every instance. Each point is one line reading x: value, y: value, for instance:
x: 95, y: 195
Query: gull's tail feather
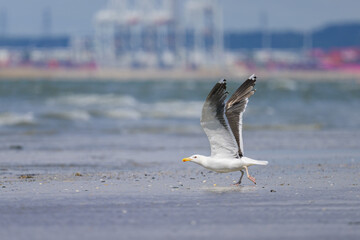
x: 254, y: 162
x: 261, y: 162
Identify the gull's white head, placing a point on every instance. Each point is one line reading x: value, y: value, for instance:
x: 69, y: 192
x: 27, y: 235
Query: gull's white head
x: 199, y: 159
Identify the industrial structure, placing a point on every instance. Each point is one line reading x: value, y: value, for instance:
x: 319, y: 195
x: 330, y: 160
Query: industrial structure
x: 177, y: 34
x: 159, y: 33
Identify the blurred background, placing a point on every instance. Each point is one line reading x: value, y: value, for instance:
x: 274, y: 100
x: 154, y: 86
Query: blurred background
x: 173, y: 34
x: 306, y: 55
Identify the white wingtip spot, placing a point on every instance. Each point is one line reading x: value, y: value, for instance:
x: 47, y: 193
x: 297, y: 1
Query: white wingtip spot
x: 222, y: 80
x: 252, y: 77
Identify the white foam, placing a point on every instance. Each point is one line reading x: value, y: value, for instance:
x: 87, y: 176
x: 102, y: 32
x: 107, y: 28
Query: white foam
x: 86, y: 100
x: 9, y: 118
x: 179, y: 109
x: 122, y: 107
x: 77, y: 115
x: 123, y: 114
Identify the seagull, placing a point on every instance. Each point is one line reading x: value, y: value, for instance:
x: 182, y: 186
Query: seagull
x: 222, y: 123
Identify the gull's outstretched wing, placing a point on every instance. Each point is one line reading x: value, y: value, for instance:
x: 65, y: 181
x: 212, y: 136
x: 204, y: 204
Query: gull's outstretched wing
x: 215, y: 124
x: 235, y: 107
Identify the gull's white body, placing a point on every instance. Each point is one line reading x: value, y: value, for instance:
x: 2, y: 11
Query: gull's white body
x: 225, y: 165
x: 222, y: 123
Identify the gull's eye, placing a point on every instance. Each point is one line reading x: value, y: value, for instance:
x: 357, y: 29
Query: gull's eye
x: 195, y: 157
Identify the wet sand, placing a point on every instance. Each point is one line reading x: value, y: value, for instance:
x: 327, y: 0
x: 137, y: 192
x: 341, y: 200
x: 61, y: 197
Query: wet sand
x: 83, y: 187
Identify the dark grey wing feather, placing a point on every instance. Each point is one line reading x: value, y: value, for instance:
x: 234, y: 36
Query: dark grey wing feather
x: 235, y: 107
x: 215, y: 124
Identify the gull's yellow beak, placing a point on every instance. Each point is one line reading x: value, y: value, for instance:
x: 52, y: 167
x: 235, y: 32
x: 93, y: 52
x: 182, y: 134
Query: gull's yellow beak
x: 186, y: 159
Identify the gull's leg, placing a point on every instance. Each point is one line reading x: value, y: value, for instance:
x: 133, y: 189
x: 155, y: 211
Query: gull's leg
x: 242, y: 174
x: 250, y: 177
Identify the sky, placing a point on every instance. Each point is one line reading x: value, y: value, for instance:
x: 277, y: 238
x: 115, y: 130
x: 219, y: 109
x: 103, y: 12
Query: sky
x: 75, y: 17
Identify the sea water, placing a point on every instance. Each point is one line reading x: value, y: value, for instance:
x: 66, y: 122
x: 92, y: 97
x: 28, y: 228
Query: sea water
x: 167, y: 107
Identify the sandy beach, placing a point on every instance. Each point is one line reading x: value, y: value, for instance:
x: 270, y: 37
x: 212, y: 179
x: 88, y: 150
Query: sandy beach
x: 180, y: 74
x: 50, y: 190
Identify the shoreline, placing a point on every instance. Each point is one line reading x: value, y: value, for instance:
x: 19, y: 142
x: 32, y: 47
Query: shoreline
x: 25, y: 73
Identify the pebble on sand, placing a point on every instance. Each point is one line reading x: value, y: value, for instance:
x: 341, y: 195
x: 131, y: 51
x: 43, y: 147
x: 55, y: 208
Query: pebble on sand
x: 26, y: 176
x: 16, y: 147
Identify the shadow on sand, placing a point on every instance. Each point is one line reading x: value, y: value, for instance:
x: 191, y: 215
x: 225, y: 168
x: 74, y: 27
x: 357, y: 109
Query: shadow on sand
x: 229, y: 189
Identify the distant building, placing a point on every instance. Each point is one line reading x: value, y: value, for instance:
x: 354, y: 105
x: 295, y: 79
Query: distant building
x: 204, y: 33
x: 158, y: 33
x: 43, y: 52
x: 25, y: 42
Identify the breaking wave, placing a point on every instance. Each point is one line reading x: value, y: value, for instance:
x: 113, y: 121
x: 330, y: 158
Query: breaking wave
x: 174, y: 109
x: 75, y: 115
x: 9, y: 119
x: 122, y: 114
x: 279, y: 104
x: 121, y: 107
x: 88, y: 100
